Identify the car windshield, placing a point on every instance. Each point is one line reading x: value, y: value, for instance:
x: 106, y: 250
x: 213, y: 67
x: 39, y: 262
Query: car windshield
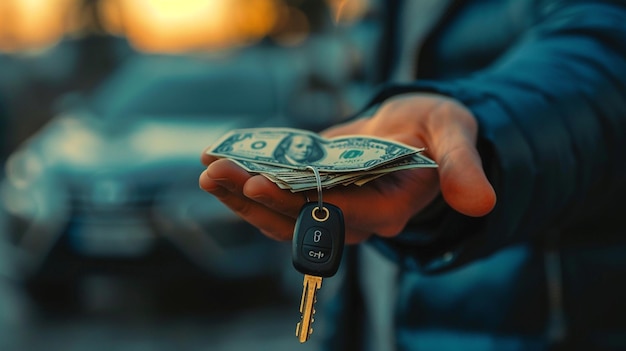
x: 170, y: 86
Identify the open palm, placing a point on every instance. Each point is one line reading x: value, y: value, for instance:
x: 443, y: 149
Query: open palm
x: 383, y: 206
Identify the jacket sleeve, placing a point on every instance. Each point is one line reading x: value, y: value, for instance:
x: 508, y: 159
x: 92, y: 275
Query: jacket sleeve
x: 552, y: 135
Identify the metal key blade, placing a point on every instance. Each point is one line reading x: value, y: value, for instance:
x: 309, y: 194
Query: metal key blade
x: 307, y: 306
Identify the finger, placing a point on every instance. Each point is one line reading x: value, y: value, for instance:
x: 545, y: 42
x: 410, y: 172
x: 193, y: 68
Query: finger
x: 274, y: 225
x: 463, y: 182
x: 223, y: 175
x: 385, y: 205
x: 362, y: 219
x: 225, y: 180
x: 207, y: 159
x: 470, y: 194
x: 353, y: 233
x: 263, y: 191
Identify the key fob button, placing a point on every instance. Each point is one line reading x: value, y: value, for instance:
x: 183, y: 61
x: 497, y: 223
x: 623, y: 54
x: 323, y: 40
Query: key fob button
x: 318, y: 236
x: 315, y: 253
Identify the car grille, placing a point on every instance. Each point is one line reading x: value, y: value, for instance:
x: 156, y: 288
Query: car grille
x: 119, y: 225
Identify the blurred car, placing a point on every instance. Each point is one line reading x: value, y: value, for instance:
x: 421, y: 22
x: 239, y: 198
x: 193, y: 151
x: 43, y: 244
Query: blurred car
x: 110, y: 185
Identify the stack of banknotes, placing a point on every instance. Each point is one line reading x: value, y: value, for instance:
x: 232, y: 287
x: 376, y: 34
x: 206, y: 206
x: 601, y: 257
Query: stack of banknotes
x: 285, y: 155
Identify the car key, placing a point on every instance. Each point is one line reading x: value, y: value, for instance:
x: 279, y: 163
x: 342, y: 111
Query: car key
x: 317, y: 246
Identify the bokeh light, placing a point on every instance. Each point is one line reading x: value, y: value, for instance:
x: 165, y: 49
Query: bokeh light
x: 166, y: 26
x: 32, y: 24
x: 195, y: 25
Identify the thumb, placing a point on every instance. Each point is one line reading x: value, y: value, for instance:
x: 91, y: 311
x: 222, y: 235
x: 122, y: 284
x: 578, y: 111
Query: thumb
x: 464, y: 184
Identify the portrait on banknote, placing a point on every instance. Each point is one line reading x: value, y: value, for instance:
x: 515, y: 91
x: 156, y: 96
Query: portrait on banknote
x: 298, y: 149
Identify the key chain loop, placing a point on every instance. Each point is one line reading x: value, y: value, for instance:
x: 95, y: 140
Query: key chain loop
x: 316, y: 212
x: 320, y: 201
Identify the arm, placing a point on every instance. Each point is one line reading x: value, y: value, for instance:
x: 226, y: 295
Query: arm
x: 552, y: 126
x: 554, y: 106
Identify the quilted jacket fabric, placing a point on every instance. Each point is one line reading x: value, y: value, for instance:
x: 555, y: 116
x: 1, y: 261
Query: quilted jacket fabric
x: 547, y: 267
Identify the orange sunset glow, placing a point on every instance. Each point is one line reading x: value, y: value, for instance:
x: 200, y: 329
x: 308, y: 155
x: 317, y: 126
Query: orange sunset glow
x: 165, y: 26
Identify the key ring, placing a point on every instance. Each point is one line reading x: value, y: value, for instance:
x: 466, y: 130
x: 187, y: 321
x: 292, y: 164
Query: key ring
x: 320, y: 206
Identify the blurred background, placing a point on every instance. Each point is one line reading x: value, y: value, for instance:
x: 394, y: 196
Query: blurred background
x: 106, y: 241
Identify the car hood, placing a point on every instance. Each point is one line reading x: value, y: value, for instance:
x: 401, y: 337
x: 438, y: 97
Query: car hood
x: 74, y: 146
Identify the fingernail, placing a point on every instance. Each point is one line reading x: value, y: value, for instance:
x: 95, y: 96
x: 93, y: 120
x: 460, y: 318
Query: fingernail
x: 226, y: 183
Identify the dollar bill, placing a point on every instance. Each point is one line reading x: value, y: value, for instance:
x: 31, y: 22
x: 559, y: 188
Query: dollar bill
x: 340, y: 161
x: 299, y: 180
x: 297, y: 149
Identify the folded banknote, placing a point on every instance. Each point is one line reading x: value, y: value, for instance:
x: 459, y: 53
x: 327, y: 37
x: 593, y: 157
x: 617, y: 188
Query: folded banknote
x: 283, y: 155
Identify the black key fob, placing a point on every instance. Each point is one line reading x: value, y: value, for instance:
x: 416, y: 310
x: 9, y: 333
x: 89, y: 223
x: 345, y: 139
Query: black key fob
x: 318, y: 239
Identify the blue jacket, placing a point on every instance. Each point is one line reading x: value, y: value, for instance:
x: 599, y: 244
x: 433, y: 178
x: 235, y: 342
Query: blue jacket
x: 547, y: 82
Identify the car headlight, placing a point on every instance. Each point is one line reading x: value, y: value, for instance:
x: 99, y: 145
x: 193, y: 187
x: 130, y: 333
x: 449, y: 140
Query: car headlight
x: 23, y: 168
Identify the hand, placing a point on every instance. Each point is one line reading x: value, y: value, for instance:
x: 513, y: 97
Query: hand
x: 381, y: 207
